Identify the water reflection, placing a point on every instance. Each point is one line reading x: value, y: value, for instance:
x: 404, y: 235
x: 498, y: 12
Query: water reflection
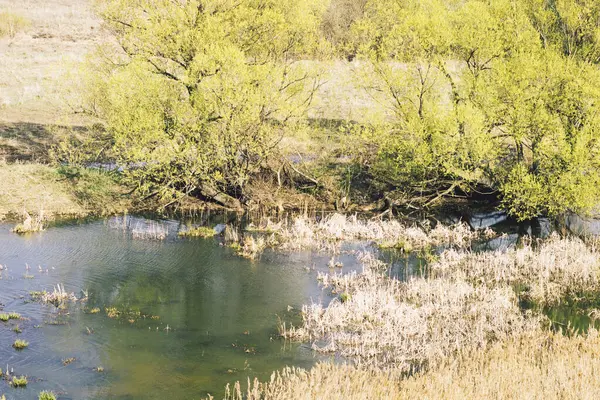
x: 217, y: 313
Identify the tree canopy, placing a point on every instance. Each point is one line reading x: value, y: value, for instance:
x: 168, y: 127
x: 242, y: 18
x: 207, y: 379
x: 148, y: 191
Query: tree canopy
x: 498, y: 96
x: 202, y: 89
x: 495, y: 94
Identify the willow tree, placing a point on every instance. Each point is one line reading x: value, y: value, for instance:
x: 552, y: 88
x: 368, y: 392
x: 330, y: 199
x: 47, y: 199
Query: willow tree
x: 203, y: 89
x: 481, y: 102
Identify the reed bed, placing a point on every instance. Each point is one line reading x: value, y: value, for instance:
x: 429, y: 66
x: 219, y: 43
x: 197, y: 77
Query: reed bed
x: 535, y: 365
x: 382, y: 322
x: 324, y: 381
x: 329, y: 232
x: 59, y: 297
x: 552, y: 271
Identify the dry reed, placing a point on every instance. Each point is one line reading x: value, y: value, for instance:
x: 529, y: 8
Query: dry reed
x: 382, y: 322
x: 546, y: 274
x: 329, y: 232
x: 538, y: 365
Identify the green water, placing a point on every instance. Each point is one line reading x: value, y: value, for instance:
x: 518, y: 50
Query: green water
x: 222, y: 312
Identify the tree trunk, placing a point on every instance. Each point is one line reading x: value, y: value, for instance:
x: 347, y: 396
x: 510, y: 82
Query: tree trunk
x: 222, y: 198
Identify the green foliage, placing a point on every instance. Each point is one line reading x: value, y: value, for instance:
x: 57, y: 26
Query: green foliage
x: 204, y: 89
x: 4, y: 317
x: 482, y: 99
x: 11, y: 24
x: 572, y: 27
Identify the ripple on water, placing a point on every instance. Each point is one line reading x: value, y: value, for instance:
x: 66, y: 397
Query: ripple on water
x: 221, y: 311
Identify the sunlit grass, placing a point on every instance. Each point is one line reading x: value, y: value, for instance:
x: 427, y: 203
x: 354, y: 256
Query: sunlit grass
x: 20, y: 381
x: 20, y: 344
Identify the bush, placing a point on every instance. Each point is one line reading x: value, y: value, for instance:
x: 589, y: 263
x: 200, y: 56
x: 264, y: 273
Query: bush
x: 200, y: 105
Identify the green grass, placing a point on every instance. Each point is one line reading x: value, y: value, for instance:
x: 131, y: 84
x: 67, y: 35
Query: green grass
x: 20, y: 344
x: 202, y: 231
x: 14, y: 315
x: 4, y: 317
x: 45, y: 395
x: 96, y: 190
x: 19, y: 381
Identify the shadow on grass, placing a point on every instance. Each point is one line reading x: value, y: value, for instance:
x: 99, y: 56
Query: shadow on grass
x: 24, y: 141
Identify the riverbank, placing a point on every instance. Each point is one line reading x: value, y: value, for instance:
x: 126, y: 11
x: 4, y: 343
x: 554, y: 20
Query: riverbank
x: 42, y: 189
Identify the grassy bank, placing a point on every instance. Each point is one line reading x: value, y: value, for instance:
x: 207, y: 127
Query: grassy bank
x: 37, y: 188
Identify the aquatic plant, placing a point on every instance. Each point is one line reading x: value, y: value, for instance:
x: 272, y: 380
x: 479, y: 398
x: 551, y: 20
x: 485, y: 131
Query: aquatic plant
x: 94, y: 310
x: 37, y: 295
x: 112, y: 312
x: 19, y: 381
x: 67, y: 361
x: 252, y: 247
x: 59, y: 297
x: 14, y: 315
x: 17, y: 329
x: 541, y: 365
x: 4, y: 317
x: 45, y: 395
x: 545, y: 272
x: 150, y: 231
x: 201, y: 231
x: 330, y: 231
x: 30, y: 224
x: 387, y: 323
x: 20, y: 344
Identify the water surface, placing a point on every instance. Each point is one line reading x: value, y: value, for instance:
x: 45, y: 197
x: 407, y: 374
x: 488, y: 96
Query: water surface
x: 195, y: 315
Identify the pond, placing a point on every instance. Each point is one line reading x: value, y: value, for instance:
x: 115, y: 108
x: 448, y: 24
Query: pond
x: 171, y: 318
x: 192, y: 315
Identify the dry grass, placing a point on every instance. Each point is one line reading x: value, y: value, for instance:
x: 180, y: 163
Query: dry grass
x: 382, y: 322
x: 38, y: 63
x: 324, y: 381
x: 556, y: 269
x: 30, y: 224
x: 27, y: 188
x: 535, y: 366
x: 11, y: 24
x: 540, y: 366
